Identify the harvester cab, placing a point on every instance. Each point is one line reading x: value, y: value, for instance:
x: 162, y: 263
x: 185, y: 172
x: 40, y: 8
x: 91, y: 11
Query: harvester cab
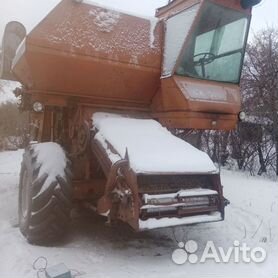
x: 210, y: 45
x: 102, y: 87
x: 204, y: 45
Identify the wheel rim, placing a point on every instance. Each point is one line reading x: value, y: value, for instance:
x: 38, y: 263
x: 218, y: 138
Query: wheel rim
x: 24, y: 195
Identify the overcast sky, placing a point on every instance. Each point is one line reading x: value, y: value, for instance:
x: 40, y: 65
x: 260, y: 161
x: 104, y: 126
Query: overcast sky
x: 30, y: 12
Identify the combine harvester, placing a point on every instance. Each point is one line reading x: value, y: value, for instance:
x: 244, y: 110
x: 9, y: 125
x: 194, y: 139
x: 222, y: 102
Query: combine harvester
x: 102, y: 87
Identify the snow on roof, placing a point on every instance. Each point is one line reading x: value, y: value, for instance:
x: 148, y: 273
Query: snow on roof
x: 107, y: 19
x: 151, y: 147
x: 116, y: 8
x: 81, y: 32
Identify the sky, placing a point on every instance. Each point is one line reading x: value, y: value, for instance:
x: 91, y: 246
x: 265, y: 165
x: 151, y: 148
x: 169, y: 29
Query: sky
x: 30, y: 12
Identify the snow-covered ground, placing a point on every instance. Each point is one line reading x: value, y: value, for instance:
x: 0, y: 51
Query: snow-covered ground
x: 100, y: 251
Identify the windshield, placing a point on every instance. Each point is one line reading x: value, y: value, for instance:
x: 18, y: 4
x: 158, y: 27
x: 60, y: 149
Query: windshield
x: 216, y: 49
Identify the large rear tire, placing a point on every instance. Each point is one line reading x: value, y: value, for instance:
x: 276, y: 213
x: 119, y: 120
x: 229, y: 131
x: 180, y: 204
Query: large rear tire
x: 45, y: 197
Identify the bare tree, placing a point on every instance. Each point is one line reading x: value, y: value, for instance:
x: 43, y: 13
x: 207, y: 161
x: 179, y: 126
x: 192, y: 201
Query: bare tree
x: 14, y: 127
x: 260, y: 86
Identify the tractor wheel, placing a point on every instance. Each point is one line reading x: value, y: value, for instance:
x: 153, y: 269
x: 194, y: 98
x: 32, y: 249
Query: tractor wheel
x: 45, y: 193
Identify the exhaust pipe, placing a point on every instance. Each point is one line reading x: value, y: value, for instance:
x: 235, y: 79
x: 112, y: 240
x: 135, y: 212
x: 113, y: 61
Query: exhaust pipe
x: 14, y: 34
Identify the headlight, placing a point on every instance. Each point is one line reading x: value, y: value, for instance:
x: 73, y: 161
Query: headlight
x: 242, y: 116
x: 38, y: 106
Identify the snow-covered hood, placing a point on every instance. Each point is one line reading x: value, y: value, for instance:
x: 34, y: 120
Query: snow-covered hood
x: 151, y: 147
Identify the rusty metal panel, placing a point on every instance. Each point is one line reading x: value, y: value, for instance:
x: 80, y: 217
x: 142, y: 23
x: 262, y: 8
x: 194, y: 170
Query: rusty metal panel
x: 87, y: 50
x: 110, y: 60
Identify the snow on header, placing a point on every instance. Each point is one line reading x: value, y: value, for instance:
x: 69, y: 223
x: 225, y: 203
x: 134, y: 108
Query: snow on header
x: 153, y: 223
x: 151, y: 147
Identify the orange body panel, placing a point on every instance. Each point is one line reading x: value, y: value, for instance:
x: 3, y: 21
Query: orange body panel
x: 71, y: 52
x: 114, y: 60
x: 182, y: 93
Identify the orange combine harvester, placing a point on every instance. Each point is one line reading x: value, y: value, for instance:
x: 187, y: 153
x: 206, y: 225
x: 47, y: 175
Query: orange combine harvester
x: 102, y: 86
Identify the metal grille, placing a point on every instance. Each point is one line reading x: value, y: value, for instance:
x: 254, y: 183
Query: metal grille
x: 171, y: 183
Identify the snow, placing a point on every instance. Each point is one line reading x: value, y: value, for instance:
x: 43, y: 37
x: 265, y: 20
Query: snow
x: 52, y: 159
x: 19, y: 52
x: 182, y: 193
x: 107, y: 17
x: 113, y: 157
x: 177, y: 28
x: 81, y: 32
x: 151, y: 147
x: 153, y: 223
x: 155, y: 201
x: 105, y: 20
x: 153, y: 23
x: 6, y: 94
x: 100, y: 251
